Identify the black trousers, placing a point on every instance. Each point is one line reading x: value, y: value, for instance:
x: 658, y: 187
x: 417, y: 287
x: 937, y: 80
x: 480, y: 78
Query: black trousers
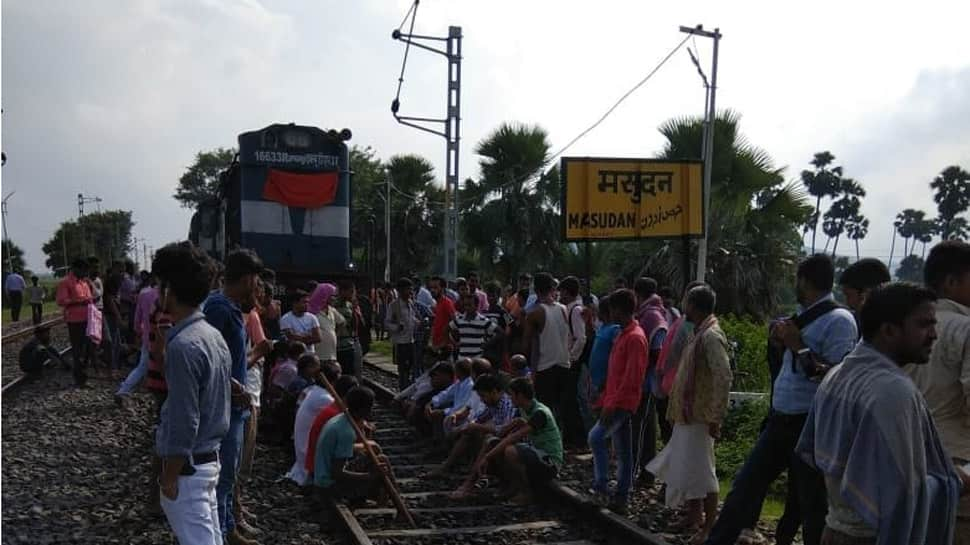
x: 347, y: 358
x: 36, y: 313
x: 80, y: 350
x: 552, y: 386
x: 404, y: 355
x: 16, y: 303
x: 771, y: 455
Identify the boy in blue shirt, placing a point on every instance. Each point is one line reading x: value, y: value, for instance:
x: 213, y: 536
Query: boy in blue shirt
x: 335, y: 449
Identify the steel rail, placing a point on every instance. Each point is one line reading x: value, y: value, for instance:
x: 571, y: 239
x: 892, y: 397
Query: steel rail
x: 28, y: 331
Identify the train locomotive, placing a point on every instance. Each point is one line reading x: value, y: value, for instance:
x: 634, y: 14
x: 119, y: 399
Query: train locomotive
x: 286, y: 196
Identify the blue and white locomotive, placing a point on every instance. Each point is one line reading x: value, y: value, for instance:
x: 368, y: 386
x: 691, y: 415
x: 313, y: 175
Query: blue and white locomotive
x: 287, y: 196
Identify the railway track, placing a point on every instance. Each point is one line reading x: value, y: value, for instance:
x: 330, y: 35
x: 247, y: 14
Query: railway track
x: 563, y: 516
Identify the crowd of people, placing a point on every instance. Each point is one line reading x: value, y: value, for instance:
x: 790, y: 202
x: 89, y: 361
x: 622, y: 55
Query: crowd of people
x: 869, y: 405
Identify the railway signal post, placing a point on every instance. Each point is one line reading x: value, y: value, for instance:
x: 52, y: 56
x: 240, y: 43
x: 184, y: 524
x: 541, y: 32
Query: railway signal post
x: 451, y: 122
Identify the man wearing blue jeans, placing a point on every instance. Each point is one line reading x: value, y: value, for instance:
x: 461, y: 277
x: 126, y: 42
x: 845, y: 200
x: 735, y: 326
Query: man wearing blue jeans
x: 224, y: 310
x: 809, y: 352
x: 621, y: 397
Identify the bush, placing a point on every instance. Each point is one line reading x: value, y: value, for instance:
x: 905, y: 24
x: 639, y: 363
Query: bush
x: 739, y: 432
x: 750, y: 354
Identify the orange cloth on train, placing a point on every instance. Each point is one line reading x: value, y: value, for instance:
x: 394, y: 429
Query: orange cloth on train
x: 311, y: 190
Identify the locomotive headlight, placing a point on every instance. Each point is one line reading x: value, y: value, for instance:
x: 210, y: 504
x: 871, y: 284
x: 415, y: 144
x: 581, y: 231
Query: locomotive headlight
x: 296, y: 139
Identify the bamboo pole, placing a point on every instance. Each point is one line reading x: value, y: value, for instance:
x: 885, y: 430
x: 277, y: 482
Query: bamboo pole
x: 389, y: 484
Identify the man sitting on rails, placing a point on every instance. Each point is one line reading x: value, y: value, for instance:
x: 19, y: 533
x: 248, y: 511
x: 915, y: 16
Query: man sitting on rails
x: 335, y: 449
x: 343, y: 385
x: 492, y: 422
x: 449, y: 401
x: 530, y: 453
x: 37, y: 351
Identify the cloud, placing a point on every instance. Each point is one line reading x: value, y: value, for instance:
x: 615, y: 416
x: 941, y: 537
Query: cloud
x: 898, y: 151
x: 114, y: 98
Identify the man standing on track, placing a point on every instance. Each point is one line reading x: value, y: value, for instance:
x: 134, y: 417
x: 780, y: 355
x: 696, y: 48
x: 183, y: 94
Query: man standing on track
x: 144, y: 307
x: 621, y: 397
x: 402, y: 318
x: 74, y: 295
x: 444, y: 311
x: 887, y: 476
x: 195, y: 415
x: 827, y: 333
x: 14, y: 285
x: 223, y: 310
x: 652, y: 317
x: 546, y: 343
x: 945, y: 381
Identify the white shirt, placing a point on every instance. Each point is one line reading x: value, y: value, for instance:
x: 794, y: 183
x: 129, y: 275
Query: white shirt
x: 311, y: 401
x: 301, y: 325
x: 14, y: 282
x: 328, y: 319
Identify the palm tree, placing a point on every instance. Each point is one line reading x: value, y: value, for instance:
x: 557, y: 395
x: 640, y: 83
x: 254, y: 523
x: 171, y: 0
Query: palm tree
x: 906, y: 223
x: 417, y: 219
x: 753, y: 239
x: 952, y: 197
x: 856, y: 229
x: 843, y: 210
x: 959, y: 229
x: 823, y: 182
x: 910, y: 269
x: 510, y: 215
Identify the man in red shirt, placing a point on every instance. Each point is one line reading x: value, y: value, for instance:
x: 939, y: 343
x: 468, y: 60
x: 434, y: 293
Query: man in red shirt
x: 444, y: 311
x: 621, y: 397
x: 74, y: 295
x: 343, y: 385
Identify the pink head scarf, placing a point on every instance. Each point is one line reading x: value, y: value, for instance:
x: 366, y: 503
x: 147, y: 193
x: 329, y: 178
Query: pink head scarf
x: 320, y: 298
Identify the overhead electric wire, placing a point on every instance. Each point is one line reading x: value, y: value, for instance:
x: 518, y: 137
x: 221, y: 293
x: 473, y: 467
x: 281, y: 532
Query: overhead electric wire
x: 621, y: 99
x: 413, y: 13
x: 579, y: 136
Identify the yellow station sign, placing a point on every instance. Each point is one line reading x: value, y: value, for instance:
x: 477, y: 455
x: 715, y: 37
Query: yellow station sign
x: 626, y: 199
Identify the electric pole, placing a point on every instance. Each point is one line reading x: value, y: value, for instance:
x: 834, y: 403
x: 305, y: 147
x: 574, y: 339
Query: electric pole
x: 81, y: 200
x: 710, y: 115
x: 6, y: 235
x: 451, y: 125
x: 387, y: 228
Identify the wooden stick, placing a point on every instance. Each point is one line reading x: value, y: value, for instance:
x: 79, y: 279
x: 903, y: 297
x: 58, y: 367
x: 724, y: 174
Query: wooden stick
x: 392, y: 490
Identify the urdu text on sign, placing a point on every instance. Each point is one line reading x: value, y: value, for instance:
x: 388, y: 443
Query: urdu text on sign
x: 625, y: 199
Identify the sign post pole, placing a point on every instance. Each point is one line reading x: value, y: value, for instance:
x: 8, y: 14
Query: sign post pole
x: 710, y: 115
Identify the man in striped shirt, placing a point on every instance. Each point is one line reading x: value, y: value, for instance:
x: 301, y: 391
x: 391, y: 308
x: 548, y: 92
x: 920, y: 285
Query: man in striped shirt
x: 471, y: 329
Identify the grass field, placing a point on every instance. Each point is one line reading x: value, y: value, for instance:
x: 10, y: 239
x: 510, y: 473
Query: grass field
x: 50, y: 310
x: 381, y: 347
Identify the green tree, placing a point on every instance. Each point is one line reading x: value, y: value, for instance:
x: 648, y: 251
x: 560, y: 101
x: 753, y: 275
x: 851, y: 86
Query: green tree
x: 510, y: 215
x: 907, y: 224
x: 910, y: 269
x: 856, y: 229
x: 753, y: 240
x: 821, y: 183
x: 952, y: 198
x: 105, y: 236
x: 959, y: 229
x: 200, y: 182
x: 12, y: 255
x: 416, y: 211
x: 843, y: 211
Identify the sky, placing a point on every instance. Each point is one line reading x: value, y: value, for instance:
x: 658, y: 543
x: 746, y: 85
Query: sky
x: 113, y: 98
